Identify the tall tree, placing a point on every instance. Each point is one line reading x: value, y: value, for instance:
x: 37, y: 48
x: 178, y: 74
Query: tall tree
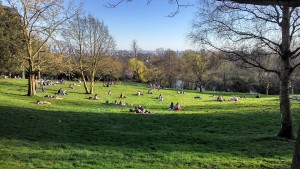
x: 92, y: 42
x: 170, y: 66
x: 135, y: 48
x: 229, y: 26
x: 40, y: 19
x: 12, y: 44
x: 198, y: 67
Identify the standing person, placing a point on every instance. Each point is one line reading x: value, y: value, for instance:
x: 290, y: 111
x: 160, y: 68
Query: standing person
x: 43, y: 85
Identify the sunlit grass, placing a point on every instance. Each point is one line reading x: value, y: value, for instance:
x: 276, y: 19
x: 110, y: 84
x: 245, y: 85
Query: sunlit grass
x: 83, y: 133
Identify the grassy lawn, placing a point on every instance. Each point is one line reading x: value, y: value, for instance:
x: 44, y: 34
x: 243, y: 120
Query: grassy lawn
x: 80, y: 133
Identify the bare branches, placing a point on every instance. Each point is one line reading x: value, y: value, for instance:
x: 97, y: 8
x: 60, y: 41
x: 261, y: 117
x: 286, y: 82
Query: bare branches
x: 177, y: 3
x: 114, y: 5
x: 289, y: 3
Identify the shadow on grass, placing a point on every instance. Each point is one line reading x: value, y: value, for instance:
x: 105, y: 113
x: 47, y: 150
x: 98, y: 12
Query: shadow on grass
x: 251, y: 135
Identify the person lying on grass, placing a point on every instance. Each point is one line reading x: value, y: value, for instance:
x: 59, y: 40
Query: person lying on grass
x: 41, y: 102
x: 120, y: 103
x: 53, y: 97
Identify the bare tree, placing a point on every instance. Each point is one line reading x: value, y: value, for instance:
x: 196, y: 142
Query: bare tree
x: 135, y: 48
x: 40, y: 19
x: 238, y: 29
x: 91, y: 41
x: 74, y: 35
x: 170, y: 66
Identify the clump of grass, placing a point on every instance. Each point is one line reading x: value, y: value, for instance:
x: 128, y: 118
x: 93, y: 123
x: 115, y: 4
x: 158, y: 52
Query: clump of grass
x: 83, y: 133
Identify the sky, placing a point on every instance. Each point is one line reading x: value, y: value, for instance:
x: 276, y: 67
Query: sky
x: 148, y: 24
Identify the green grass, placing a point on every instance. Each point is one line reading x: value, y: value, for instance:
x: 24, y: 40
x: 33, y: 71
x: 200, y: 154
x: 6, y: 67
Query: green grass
x: 81, y: 133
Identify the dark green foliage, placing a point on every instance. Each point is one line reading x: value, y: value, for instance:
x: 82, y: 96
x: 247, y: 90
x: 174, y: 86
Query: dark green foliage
x: 11, y: 40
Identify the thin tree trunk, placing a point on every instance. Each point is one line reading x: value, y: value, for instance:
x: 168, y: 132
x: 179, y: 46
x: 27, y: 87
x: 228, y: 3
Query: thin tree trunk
x: 92, y: 82
x: 39, y: 74
x: 267, y: 88
x: 82, y: 75
x: 84, y: 82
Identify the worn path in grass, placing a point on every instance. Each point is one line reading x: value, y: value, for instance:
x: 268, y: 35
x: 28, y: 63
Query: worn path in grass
x: 77, y: 132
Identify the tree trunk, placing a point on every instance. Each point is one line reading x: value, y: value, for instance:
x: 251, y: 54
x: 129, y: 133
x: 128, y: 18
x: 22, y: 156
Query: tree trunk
x: 31, y: 85
x: 84, y: 82
x: 296, y: 157
x: 200, y: 88
x: 92, y: 82
x: 267, y: 88
x: 31, y: 80
x: 286, y: 130
x: 39, y: 74
x: 23, y: 74
x: 82, y: 75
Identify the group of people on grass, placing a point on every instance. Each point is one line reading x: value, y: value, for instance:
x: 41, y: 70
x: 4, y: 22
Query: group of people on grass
x: 221, y: 99
x: 175, y: 107
x: 140, y: 110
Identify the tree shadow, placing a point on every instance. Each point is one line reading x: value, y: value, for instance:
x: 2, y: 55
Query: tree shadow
x: 250, y: 135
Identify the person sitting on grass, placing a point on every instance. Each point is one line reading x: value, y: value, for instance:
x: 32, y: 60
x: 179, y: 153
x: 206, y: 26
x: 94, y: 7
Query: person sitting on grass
x: 139, y: 93
x: 234, y: 98
x: 180, y: 92
x: 160, y: 98
x: 62, y: 92
x: 122, y: 95
x: 220, y: 98
x: 122, y: 104
x: 95, y: 97
x: 71, y: 86
x: 150, y: 91
x: 171, y: 106
x: 177, y: 107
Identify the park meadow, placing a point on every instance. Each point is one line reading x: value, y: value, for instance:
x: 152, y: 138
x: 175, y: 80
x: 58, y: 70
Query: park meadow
x: 80, y: 133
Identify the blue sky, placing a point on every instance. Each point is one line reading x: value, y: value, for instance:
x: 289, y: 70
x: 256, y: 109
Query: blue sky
x: 147, y: 24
